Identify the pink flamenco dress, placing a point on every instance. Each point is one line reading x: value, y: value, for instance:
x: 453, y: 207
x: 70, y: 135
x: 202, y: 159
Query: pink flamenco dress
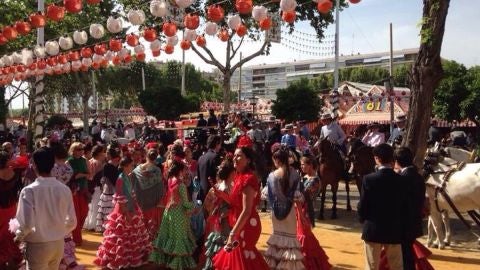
x: 125, y: 240
x: 420, y: 254
x: 245, y: 255
x: 9, y: 251
x: 314, y: 257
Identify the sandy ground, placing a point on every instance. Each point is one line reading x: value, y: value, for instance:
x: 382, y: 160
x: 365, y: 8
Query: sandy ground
x: 341, y: 240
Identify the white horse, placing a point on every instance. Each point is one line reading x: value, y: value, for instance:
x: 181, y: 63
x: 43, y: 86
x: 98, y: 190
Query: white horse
x: 463, y: 188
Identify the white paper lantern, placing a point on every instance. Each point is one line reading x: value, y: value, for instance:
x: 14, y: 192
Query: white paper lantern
x: 184, y: 3
x: 190, y: 35
x: 39, y: 51
x: 259, y: 13
x: 17, y: 58
x: 109, y: 55
x: 52, y: 48
x: 211, y: 28
x: 155, y: 45
x: 139, y: 49
x: 123, y: 52
x: 234, y: 21
x: 58, y: 68
x: 87, y: 62
x: 173, y: 40
x: 66, y: 43
x: 136, y: 17
x: 159, y: 8
x: 39, y: 72
x: 80, y: 37
x: 77, y: 64
x: 114, y: 25
x: 97, y: 58
x: 67, y: 67
x: 27, y: 57
x: 2, y: 64
x: 8, y: 60
x: 288, y: 5
x: 97, y: 31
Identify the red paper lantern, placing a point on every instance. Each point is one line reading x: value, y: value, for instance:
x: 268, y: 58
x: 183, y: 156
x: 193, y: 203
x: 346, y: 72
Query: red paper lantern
x: 116, y: 60
x: 21, y: 68
x: 215, y: 13
x: 223, y: 35
x: 93, y: 2
x: 55, y: 13
x: 100, y: 49
x: 191, y: 21
x: 84, y: 68
x: 241, y: 30
x: 140, y: 57
x: 62, y: 59
x: 289, y: 16
x: 9, y: 32
x: 266, y: 23
x: 169, y: 29
x: 104, y: 63
x: 324, y: 6
x: 168, y: 49
x: 127, y: 59
x: 354, y: 1
x: 52, y: 61
x: 115, y: 45
x: 3, y: 39
x: 149, y: 34
x: 244, y: 6
x: 156, y: 53
x: 23, y: 27
x: 73, y: 6
x: 201, y: 41
x: 41, y: 64
x: 185, y: 44
x: 73, y: 56
x: 37, y: 20
x: 32, y: 66
x: 95, y: 65
x: 132, y: 40
x: 86, y: 52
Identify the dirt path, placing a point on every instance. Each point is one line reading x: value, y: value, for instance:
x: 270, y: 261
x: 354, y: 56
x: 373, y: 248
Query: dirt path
x: 341, y: 240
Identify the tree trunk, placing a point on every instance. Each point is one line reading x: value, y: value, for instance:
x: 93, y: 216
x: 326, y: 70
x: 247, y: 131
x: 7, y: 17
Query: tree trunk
x: 86, y: 113
x: 425, y: 76
x: 226, y: 91
x: 39, y: 108
x: 3, y: 107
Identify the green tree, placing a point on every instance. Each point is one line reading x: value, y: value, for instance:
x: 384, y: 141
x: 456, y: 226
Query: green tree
x: 164, y: 102
x: 298, y: 101
x: 470, y: 106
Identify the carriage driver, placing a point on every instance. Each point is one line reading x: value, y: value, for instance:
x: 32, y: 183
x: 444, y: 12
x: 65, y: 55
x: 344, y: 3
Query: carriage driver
x: 333, y: 132
x: 397, y: 134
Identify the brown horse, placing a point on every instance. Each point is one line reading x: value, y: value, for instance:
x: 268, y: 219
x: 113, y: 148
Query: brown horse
x: 330, y: 171
x: 361, y: 159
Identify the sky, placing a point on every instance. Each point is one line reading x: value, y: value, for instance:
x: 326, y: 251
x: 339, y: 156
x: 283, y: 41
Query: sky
x: 364, y: 28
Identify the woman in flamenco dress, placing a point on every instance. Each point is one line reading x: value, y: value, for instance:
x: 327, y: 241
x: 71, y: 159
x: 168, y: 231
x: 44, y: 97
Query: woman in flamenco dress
x: 217, y: 228
x: 314, y: 255
x: 240, y: 252
x: 175, y: 243
x: 283, y: 187
x: 10, y: 185
x: 125, y: 241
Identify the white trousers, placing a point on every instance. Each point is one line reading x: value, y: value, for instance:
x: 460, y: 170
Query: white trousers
x: 44, y: 256
x: 392, y: 251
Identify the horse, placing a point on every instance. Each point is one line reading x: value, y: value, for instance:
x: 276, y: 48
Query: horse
x: 462, y: 186
x: 330, y: 170
x: 360, y: 157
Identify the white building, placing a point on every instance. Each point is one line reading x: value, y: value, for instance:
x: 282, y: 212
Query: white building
x: 264, y: 80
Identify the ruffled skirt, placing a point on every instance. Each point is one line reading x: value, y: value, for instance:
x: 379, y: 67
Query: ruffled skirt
x: 91, y: 221
x: 125, y: 241
x: 420, y: 255
x: 9, y: 251
x: 69, y: 260
x: 105, y: 207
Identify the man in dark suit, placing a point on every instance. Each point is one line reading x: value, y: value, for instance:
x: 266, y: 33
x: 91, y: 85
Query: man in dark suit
x: 207, y: 165
x: 381, y: 210
x: 415, y: 192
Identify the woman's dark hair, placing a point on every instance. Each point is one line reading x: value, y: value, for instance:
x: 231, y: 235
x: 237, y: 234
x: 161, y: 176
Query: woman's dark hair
x: 4, y: 158
x: 310, y: 160
x: 281, y: 156
x: 125, y: 161
x: 226, y: 168
x: 249, y: 154
x: 175, y: 168
x: 97, y: 150
x: 177, y: 151
x: 59, y: 150
x: 152, y: 154
x: 113, y: 153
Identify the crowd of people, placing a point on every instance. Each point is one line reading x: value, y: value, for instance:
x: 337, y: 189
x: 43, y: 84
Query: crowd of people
x: 193, y: 203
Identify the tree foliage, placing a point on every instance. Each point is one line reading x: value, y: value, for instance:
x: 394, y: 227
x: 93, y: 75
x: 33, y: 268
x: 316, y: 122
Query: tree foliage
x: 164, y: 102
x: 297, y: 102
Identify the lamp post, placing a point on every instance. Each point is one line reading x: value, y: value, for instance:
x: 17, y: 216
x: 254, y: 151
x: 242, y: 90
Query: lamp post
x: 109, y: 99
x: 253, y: 102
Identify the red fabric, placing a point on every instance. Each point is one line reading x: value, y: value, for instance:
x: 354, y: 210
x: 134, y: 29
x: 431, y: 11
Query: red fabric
x: 244, y: 141
x: 420, y: 255
x: 314, y: 255
x: 152, y: 219
x: 81, y: 210
x: 173, y: 196
x: 245, y: 256
x: 9, y: 251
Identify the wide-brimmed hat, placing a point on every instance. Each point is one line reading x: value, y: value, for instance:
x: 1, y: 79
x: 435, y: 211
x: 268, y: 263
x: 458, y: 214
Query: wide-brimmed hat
x: 289, y: 127
x: 400, y: 118
x: 374, y: 125
x: 271, y: 119
x: 325, y: 116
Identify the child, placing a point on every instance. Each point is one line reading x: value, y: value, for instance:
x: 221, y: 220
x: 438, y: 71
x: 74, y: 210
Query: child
x: 175, y: 242
x: 125, y: 240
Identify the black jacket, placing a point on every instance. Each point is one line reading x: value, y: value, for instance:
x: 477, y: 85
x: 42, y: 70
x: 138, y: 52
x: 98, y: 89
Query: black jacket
x: 382, y: 207
x: 415, y: 186
x: 207, y: 168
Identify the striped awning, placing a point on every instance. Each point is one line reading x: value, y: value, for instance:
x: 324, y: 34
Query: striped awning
x: 384, y: 118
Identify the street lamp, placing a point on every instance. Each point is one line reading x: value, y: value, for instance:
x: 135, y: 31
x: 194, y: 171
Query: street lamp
x: 109, y: 99
x: 253, y: 101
